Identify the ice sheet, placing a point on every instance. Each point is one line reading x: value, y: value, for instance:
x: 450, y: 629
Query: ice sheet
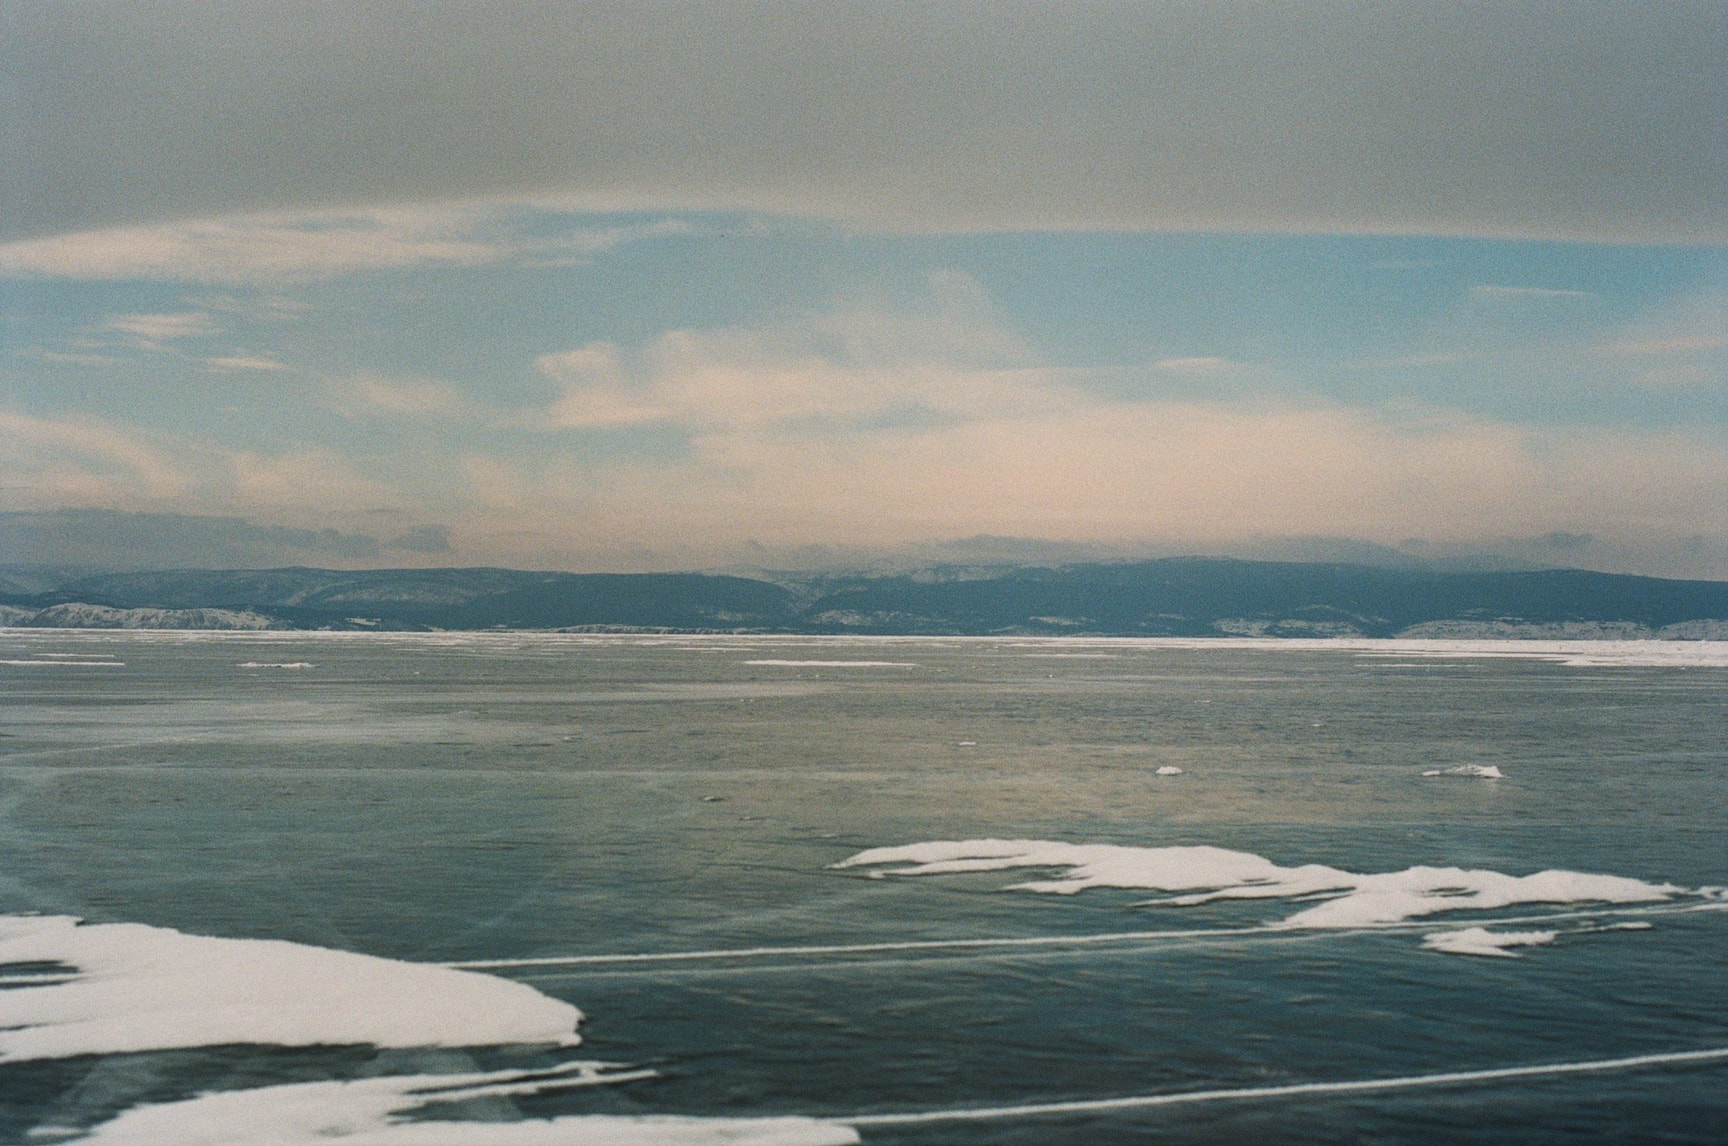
x: 1209, y: 873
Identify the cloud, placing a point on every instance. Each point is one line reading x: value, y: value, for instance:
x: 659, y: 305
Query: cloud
x: 257, y: 250
x: 1195, y: 475
x: 596, y: 393
x: 1523, y: 119
x: 374, y: 395
x: 82, y: 460
x: 244, y: 362
x: 422, y: 539
x: 316, y: 480
x: 109, y: 539
x: 849, y: 370
x: 1682, y: 344
x: 151, y: 329
x: 1491, y: 293
x: 282, y: 248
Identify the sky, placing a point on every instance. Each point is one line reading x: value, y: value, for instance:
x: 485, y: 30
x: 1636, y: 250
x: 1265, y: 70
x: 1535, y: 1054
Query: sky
x: 684, y: 286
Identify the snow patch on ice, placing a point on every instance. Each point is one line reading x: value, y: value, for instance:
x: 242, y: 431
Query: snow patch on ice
x: 140, y: 988
x: 1481, y: 941
x: 1204, y: 874
x: 115, y: 988
x: 369, y: 1112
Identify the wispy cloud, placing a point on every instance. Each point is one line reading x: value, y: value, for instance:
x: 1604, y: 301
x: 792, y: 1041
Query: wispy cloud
x: 152, y: 329
x: 269, y: 250
x: 255, y: 249
x: 1679, y: 344
x: 1201, y: 366
x: 50, y: 461
x: 245, y: 362
x: 375, y: 395
x: 1492, y: 293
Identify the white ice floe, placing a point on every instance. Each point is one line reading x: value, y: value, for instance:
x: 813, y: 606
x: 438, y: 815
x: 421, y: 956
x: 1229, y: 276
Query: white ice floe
x: 837, y: 664
x: 1480, y: 771
x: 59, y: 663
x: 276, y: 665
x: 139, y: 988
x: 1167, y: 770
x: 1206, y: 874
x: 1576, y: 653
x: 1481, y: 941
x: 368, y: 1112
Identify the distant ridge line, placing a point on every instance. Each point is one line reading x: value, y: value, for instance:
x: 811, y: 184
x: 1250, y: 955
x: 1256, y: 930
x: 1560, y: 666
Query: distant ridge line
x: 1173, y: 597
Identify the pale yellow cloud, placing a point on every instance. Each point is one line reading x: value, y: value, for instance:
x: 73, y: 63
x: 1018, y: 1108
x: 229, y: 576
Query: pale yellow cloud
x: 314, y: 482
x: 831, y: 371
x: 50, y: 462
x: 1193, y: 474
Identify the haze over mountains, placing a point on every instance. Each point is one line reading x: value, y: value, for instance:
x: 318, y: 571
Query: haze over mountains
x: 1184, y: 597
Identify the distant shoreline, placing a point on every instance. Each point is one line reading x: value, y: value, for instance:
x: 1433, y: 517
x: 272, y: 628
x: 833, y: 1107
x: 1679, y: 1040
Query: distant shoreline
x: 1183, y: 597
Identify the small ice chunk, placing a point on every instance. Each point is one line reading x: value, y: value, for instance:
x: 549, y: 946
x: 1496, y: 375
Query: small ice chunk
x: 1167, y: 770
x: 1480, y: 771
x: 965, y: 744
x: 1481, y: 941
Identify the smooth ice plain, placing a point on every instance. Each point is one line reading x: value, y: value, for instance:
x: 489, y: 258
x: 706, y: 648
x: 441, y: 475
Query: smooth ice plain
x: 524, y: 889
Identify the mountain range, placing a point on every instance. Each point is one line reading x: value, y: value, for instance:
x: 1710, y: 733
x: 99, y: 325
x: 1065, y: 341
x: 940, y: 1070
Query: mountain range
x: 1187, y: 597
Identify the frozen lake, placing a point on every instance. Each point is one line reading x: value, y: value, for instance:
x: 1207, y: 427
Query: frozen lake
x: 808, y: 890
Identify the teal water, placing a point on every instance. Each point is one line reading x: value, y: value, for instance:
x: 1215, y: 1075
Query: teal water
x: 471, y: 799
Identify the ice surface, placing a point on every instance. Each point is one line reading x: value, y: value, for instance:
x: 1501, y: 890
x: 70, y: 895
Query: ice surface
x: 1481, y: 771
x: 142, y: 988
x: 1481, y: 941
x: 1209, y: 873
x: 366, y: 1112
